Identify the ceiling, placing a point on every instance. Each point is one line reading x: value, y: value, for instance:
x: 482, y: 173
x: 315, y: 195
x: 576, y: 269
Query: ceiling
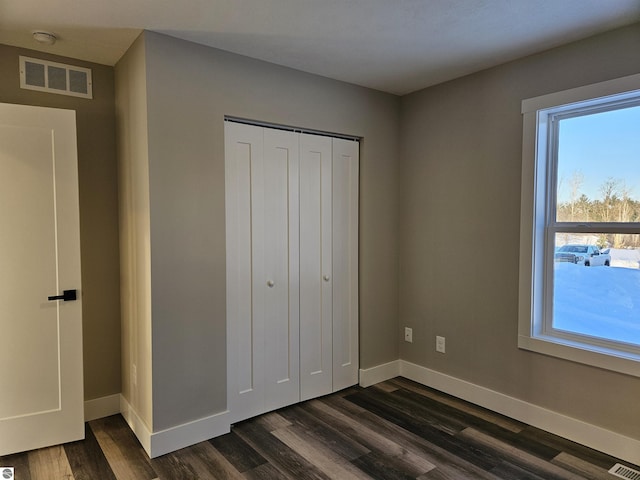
x: 396, y: 46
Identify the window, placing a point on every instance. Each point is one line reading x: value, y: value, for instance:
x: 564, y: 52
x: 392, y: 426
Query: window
x: 580, y: 227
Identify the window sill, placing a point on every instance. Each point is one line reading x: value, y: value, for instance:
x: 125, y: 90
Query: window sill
x: 614, y: 360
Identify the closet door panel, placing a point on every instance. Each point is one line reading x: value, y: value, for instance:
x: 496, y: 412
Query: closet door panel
x: 280, y: 258
x: 315, y: 266
x: 245, y: 299
x: 345, y: 263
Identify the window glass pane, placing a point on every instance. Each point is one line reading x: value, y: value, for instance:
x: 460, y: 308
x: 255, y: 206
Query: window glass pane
x: 599, y: 167
x: 596, y: 288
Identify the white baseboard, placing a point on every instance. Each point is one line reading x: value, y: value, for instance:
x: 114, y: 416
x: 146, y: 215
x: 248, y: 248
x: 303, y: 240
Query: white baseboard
x: 190, y: 433
x: 101, y: 407
x: 598, y: 438
x: 137, y: 426
x: 174, y: 438
x: 379, y: 373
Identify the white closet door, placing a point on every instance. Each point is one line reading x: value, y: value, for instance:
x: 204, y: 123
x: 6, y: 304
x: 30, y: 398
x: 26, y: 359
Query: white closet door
x: 280, y: 258
x: 345, y: 263
x: 244, y: 170
x: 315, y: 266
x: 292, y: 267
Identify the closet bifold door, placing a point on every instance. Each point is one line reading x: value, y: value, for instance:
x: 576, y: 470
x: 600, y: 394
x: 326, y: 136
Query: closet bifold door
x: 280, y: 257
x: 316, y: 276
x: 244, y: 165
x: 345, y: 180
x: 292, y: 267
x: 261, y: 169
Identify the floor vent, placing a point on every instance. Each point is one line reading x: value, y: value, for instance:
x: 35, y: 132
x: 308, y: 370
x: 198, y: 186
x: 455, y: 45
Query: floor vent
x: 52, y: 77
x: 624, y: 472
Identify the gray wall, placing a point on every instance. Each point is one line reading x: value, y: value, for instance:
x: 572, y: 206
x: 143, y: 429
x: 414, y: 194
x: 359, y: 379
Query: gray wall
x: 190, y: 89
x: 459, y: 211
x: 97, y: 170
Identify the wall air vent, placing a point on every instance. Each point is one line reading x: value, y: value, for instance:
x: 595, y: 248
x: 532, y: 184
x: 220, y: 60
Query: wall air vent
x: 52, y: 77
x: 624, y: 472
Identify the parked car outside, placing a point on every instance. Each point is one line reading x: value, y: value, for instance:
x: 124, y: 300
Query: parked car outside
x: 587, y: 255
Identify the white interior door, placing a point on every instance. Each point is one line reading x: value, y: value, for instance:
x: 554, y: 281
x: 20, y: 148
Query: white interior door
x: 346, y: 165
x: 315, y: 266
x: 41, y: 356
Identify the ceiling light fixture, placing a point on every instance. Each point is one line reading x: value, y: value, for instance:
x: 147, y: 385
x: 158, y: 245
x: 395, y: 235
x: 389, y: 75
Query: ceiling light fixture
x: 46, y: 38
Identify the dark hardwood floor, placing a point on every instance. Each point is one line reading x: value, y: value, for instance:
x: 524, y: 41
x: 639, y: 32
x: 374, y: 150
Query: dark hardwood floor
x: 394, y: 430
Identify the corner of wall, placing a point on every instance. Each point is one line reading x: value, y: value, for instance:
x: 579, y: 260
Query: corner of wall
x: 137, y: 425
x: 135, y: 271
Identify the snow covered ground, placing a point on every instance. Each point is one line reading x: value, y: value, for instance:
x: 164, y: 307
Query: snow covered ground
x: 622, y: 257
x: 600, y: 301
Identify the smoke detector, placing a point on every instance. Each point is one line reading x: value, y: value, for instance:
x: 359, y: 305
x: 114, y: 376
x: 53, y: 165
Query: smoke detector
x: 46, y: 38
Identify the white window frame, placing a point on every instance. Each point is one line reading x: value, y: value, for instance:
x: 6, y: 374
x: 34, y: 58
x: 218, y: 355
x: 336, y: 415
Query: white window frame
x: 538, y: 192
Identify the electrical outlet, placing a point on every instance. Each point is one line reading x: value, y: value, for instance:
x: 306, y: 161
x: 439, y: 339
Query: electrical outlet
x: 440, y: 344
x: 408, y: 334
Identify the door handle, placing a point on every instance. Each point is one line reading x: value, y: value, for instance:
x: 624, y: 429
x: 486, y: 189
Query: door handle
x: 67, y: 296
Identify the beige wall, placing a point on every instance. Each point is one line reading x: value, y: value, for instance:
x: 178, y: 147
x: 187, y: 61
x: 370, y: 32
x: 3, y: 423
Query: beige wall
x: 190, y: 89
x: 97, y: 170
x: 135, y: 248
x: 459, y: 231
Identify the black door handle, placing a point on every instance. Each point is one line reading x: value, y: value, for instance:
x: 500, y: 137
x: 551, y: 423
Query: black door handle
x: 67, y: 295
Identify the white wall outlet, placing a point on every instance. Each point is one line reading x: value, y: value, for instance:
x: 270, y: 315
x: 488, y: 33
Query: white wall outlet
x: 408, y: 334
x: 440, y: 344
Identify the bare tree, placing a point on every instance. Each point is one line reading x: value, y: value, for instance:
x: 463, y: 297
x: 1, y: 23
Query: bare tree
x: 577, y: 179
x: 609, y: 191
x: 624, y: 212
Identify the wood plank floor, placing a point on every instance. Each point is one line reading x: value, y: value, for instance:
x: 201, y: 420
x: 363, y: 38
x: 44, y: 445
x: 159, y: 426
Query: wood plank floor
x: 394, y: 430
